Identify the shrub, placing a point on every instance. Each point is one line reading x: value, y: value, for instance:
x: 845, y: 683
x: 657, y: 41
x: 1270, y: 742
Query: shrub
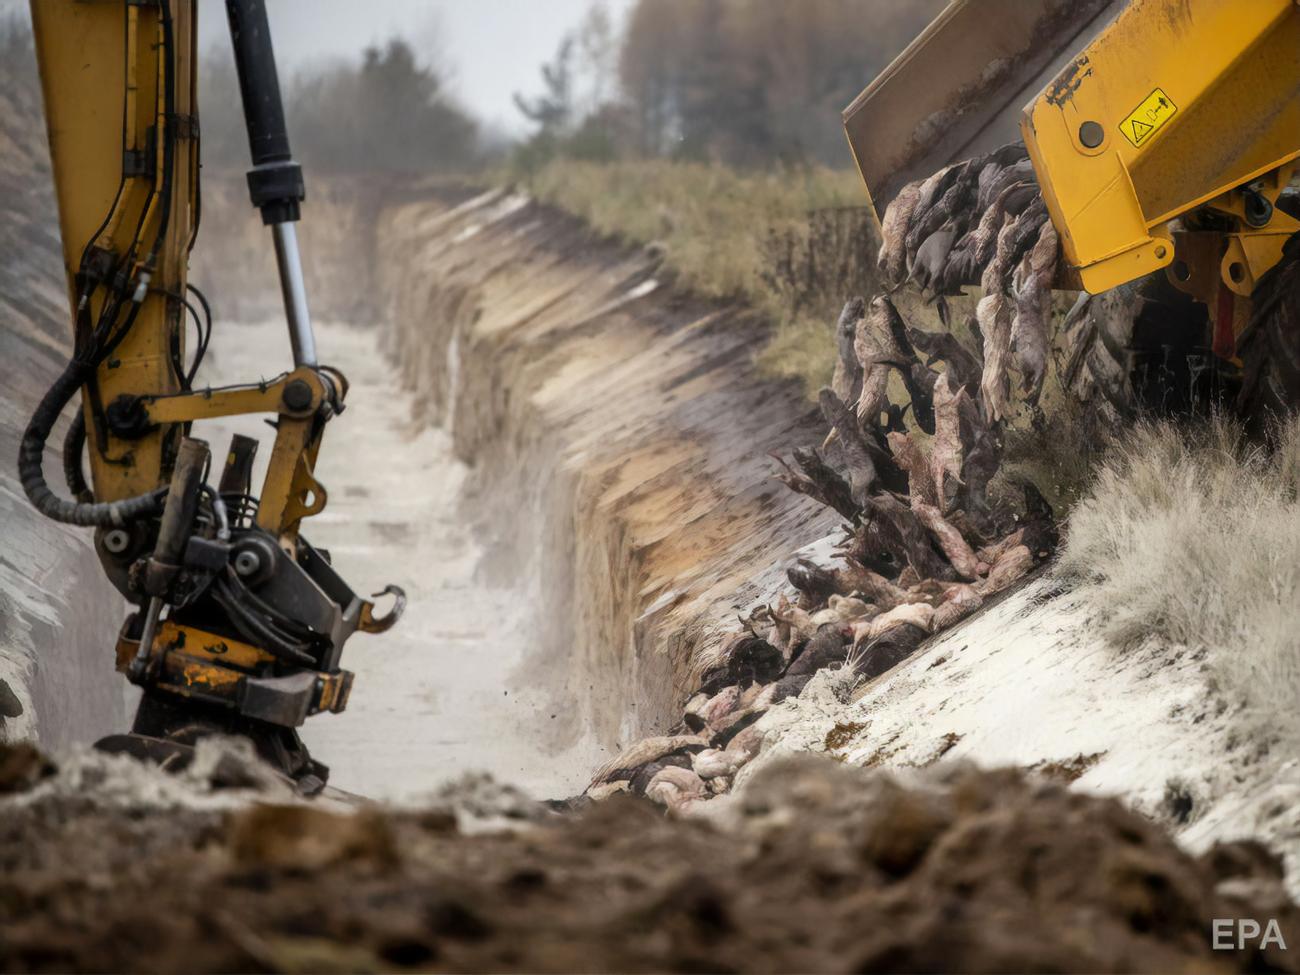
x: 1192, y: 535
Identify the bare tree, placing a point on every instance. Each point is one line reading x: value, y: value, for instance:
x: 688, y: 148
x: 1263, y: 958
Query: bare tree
x: 597, y: 57
x: 751, y: 81
x: 553, y: 110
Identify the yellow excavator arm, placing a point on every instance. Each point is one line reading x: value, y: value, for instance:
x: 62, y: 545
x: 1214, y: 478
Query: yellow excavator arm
x: 241, y: 622
x: 127, y: 205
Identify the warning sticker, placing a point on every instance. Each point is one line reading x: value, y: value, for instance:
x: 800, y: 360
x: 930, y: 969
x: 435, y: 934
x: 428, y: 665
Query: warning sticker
x: 1145, y: 120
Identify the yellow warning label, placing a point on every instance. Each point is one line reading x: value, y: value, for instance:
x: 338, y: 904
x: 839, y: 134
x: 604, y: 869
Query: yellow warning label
x: 1145, y: 120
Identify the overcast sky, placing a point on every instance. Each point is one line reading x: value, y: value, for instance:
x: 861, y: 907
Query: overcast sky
x: 491, y: 48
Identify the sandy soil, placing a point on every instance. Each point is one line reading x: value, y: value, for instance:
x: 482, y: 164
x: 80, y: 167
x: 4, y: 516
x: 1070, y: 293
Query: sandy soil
x: 58, y: 613
x: 1031, y: 682
x: 439, y: 694
x: 818, y: 867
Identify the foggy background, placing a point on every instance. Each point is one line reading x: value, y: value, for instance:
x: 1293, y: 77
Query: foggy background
x: 428, y: 86
x: 489, y: 48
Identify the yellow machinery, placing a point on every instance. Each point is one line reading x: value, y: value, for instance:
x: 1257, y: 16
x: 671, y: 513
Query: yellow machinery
x: 1175, y: 112
x: 241, y: 620
x: 1162, y: 132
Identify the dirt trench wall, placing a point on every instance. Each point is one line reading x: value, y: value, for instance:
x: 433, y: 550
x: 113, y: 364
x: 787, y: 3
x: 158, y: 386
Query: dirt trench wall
x: 58, y: 614
x: 627, y: 419
x: 617, y: 429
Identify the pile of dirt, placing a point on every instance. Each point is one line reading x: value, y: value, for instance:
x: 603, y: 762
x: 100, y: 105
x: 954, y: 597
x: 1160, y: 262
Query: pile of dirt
x: 813, y: 867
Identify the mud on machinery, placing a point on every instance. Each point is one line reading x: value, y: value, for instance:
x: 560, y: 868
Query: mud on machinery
x: 241, y: 621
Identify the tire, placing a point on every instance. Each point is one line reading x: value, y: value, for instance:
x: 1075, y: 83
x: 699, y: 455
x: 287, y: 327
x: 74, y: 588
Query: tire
x: 1269, y: 347
x: 1143, y: 349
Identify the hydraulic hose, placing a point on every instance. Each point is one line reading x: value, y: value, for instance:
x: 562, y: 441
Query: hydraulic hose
x: 31, y: 463
x: 73, y: 446
x: 233, y: 597
x: 31, y: 452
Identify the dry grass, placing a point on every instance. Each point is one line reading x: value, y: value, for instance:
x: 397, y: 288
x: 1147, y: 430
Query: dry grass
x: 1192, y: 535
x: 791, y: 242
x: 802, y: 347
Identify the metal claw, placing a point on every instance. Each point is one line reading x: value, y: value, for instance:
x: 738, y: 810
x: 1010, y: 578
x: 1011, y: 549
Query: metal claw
x: 378, y: 624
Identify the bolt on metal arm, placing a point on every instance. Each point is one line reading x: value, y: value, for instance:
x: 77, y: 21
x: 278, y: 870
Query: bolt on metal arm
x: 275, y: 182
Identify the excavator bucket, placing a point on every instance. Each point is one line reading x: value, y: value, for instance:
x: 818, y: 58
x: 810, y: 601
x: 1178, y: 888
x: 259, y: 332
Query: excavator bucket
x: 959, y: 88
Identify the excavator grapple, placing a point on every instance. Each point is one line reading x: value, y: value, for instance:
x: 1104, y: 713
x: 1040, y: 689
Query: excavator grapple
x: 240, y: 622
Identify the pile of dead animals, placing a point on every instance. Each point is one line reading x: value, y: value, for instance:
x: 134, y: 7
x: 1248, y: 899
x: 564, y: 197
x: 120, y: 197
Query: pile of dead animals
x: 982, y: 221
x: 924, y: 543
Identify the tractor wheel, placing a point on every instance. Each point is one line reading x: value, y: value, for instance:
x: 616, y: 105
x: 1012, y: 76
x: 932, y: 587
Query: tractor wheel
x: 1143, y: 349
x: 1269, y: 346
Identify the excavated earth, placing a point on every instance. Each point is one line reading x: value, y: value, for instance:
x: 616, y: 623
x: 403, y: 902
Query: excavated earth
x: 817, y: 867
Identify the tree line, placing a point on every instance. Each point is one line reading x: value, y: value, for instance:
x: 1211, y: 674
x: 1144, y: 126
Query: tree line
x: 744, y: 82
x: 388, y: 111
x: 749, y: 83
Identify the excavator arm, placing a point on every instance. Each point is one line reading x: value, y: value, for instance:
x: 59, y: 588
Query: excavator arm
x: 241, y: 622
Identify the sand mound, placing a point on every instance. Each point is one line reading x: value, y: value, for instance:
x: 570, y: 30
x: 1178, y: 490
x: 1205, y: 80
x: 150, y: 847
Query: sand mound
x: 816, y: 867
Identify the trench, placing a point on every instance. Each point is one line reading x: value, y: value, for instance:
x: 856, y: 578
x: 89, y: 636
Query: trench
x: 560, y: 456
x: 438, y: 695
